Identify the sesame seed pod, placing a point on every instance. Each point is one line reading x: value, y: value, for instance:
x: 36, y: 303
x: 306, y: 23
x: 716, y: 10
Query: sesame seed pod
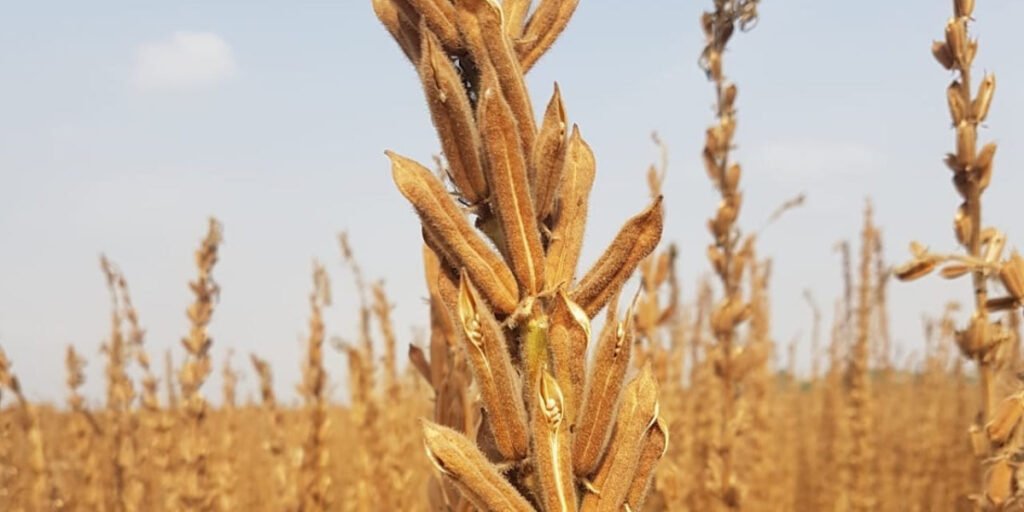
x: 570, y: 219
x: 544, y: 27
x: 459, y: 460
x: 402, y: 23
x: 655, y: 445
x: 569, y: 335
x: 551, y: 445
x: 604, y: 386
x: 548, y: 158
x: 454, y: 120
x: 451, y: 235
x: 635, y: 240
x: 439, y: 17
x: 510, y: 192
x: 493, y: 371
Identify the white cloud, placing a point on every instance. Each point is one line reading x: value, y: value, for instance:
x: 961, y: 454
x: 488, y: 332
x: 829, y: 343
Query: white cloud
x: 186, y: 61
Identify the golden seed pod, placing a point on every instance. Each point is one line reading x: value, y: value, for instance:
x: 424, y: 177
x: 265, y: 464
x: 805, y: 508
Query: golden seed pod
x: 1011, y: 273
x: 541, y: 34
x: 402, y: 22
x: 966, y: 143
x: 957, y: 103
x: 450, y: 234
x: 453, y: 119
x: 1005, y: 419
x: 729, y: 97
x: 634, y: 241
x: 655, y: 445
x: 548, y: 159
x: 979, y: 441
x: 551, y: 447
x: 604, y: 386
x: 954, y: 270
x: 974, y: 339
x: 999, y: 482
x: 510, y: 192
x: 962, y: 225
x: 439, y: 18
x: 459, y: 460
x: 577, y: 179
x: 715, y: 65
x: 942, y: 54
x: 710, y: 164
x: 956, y: 40
x: 515, y: 12
x: 982, y: 102
x: 963, y: 8
x: 493, y: 371
x: 729, y: 313
x: 914, y: 269
x: 732, y: 177
x: 569, y: 336
x: 717, y: 259
x: 983, y: 165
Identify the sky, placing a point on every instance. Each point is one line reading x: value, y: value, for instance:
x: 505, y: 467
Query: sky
x: 124, y: 125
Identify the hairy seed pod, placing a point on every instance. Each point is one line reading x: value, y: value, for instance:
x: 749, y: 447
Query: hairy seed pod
x: 963, y: 8
x: 456, y: 241
x: 493, y: 54
x: 635, y: 240
x: 548, y: 158
x: 493, y: 372
x: 1011, y: 273
x: 957, y: 103
x: 942, y: 54
x: 604, y: 385
x: 1005, y: 419
x: 966, y: 143
x: 956, y: 40
x: 510, y: 192
x: 514, y: 12
x: 981, y: 103
x: 999, y: 483
x: 439, y: 17
x: 458, y: 459
x: 569, y: 336
x: 655, y: 445
x: 544, y: 27
x: 983, y: 165
x: 571, y: 216
x: 402, y: 22
x: 454, y: 120
x: 616, y: 474
x: 551, y: 445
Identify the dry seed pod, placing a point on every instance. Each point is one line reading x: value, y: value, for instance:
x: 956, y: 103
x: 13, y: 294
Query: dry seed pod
x: 966, y: 143
x: 439, y: 17
x: 1005, y: 419
x: 1011, y: 273
x: 455, y: 239
x: 954, y: 270
x: 914, y: 269
x: 515, y: 12
x: 604, y: 386
x: 957, y: 103
x: 569, y: 335
x: 981, y: 104
x: 454, y: 120
x: 962, y: 225
x: 655, y: 445
x: 493, y: 372
x: 983, y: 165
x: 974, y: 338
x: 551, y: 438
x: 979, y: 441
x: 570, y: 220
x: 510, y: 192
x: 540, y: 35
x: 999, y: 482
x: 402, y: 22
x: 497, y: 61
x: 963, y: 8
x: 458, y: 459
x: 942, y: 54
x: 548, y: 158
x: 635, y: 240
x: 615, y: 477
x: 956, y: 40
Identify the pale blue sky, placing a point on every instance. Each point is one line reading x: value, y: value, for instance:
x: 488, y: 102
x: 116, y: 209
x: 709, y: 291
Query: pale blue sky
x: 121, y: 130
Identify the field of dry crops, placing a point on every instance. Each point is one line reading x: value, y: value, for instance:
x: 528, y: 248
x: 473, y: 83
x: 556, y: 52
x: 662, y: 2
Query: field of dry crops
x: 543, y: 384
